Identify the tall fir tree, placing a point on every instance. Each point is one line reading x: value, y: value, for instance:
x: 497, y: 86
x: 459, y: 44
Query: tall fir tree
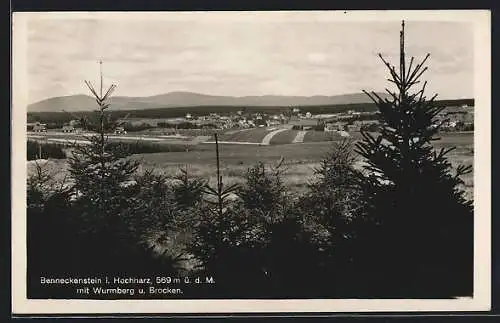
x: 416, y: 235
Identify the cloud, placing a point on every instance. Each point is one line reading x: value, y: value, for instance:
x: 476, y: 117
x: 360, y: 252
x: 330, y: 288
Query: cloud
x: 243, y: 58
x: 317, y: 57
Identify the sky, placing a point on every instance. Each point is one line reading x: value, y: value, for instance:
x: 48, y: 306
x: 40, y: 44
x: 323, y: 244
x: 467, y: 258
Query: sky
x: 240, y: 57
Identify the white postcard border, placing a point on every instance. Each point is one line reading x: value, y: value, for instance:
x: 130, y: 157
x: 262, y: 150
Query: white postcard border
x: 481, y: 301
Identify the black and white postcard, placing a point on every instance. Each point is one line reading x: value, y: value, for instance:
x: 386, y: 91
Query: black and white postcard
x: 239, y: 162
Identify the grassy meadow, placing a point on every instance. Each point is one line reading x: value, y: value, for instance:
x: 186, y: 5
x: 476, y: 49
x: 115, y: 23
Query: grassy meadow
x: 300, y: 158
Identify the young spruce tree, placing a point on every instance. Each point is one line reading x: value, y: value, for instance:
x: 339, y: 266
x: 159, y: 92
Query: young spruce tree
x: 416, y: 239
x: 99, y: 173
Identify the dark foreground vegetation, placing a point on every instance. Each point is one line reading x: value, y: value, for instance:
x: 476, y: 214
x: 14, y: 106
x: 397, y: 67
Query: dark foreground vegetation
x: 326, y: 242
x: 399, y: 228
x: 37, y: 150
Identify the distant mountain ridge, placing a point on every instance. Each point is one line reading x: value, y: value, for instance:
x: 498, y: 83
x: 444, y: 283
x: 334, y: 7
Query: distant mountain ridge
x: 80, y: 102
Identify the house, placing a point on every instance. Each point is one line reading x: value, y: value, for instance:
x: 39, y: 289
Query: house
x: 68, y: 128
x: 39, y: 127
x: 329, y: 127
x: 352, y: 128
x: 120, y: 130
x: 228, y: 124
x: 260, y: 122
x: 339, y: 125
x: 450, y: 124
x: 273, y: 123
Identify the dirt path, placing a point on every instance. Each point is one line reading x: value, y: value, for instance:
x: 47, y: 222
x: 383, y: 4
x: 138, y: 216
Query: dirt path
x: 299, y: 137
x: 267, y: 139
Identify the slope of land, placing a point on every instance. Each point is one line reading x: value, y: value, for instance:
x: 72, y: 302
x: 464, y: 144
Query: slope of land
x: 188, y: 99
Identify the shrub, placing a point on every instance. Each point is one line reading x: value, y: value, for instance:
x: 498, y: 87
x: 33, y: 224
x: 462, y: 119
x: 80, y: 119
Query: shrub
x: 158, y: 220
x: 372, y: 127
x: 182, y: 125
x: 319, y: 127
x: 99, y: 175
x: 226, y: 240
x: 333, y: 197
x: 48, y: 221
x: 328, y: 207
x: 130, y: 127
x: 264, y: 190
x: 47, y: 150
x: 54, y: 125
x: 189, y: 191
x: 284, y: 248
x: 227, y: 247
x: 119, y: 213
x: 105, y: 218
x: 418, y: 227
x: 144, y: 147
x: 469, y: 127
x: 257, y: 236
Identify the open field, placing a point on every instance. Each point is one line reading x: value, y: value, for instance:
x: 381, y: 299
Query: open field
x: 82, y: 138
x: 277, y: 135
x: 282, y: 137
x: 285, y: 137
x: 246, y: 135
